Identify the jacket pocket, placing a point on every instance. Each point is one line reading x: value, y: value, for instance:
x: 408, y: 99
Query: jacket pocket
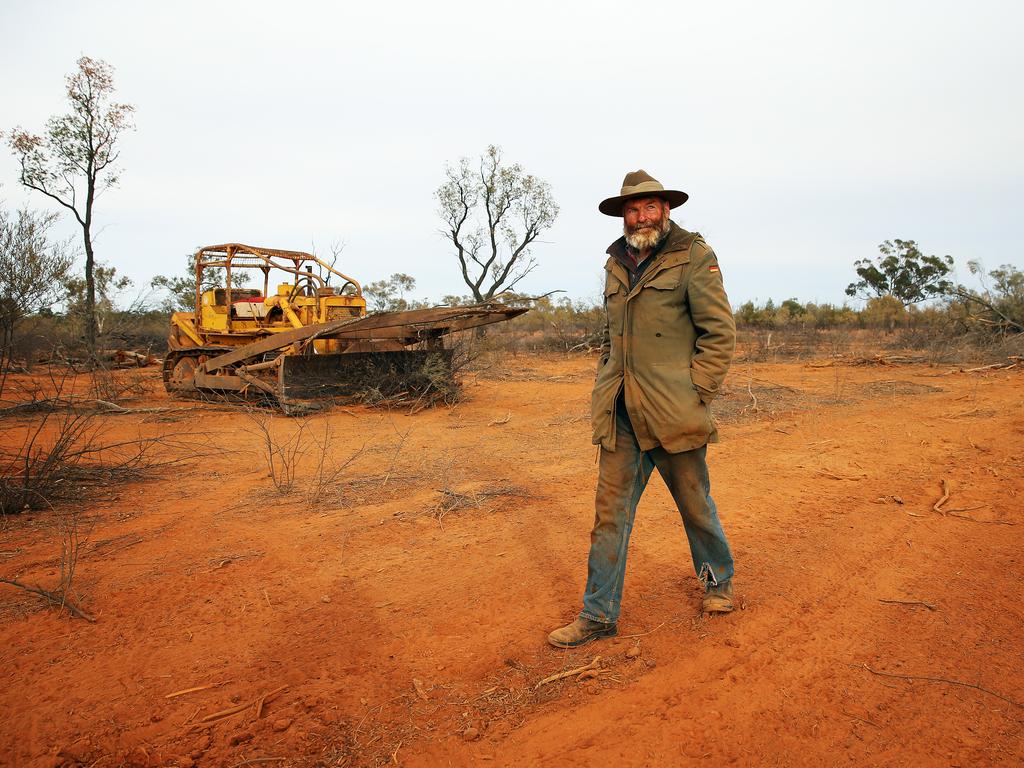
x: 672, y: 404
x: 602, y: 405
x: 614, y: 304
x: 666, y: 279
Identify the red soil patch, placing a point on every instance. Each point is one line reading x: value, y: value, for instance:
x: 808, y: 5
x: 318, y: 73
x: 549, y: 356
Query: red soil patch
x: 409, y: 601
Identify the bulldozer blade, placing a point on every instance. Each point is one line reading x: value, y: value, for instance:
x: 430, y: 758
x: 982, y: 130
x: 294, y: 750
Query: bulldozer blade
x: 413, y: 325
x: 365, y: 375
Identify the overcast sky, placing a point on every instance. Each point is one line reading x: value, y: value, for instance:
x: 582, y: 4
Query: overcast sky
x: 805, y: 133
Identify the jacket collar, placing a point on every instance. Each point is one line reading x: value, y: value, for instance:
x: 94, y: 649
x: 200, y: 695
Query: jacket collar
x: 675, y: 251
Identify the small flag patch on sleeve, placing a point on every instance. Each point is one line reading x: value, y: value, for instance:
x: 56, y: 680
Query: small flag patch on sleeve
x: 713, y: 268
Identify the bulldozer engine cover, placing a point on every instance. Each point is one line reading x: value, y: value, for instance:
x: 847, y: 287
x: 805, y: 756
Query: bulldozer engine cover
x: 366, y: 375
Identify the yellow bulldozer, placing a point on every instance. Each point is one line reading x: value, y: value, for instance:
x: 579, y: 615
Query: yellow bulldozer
x: 305, y: 342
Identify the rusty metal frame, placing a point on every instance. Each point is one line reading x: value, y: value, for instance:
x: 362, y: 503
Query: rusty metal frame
x: 244, y: 256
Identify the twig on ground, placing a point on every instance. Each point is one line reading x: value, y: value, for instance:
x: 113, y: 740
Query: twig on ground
x: 989, y: 367
x: 642, y: 634
x: 257, y: 703
x: 215, y: 716
x: 948, y: 510
x: 861, y: 719
x: 944, y: 680
x: 53, y: 598
x: 401, y: 443
x: 113, y: 409
x: 954, y: 511
x: 753, y: 397
x: 929, y: 606
x: 568, y: 673
x: 420, y: 690
x: 257, y: 760
x: 834, y: 476
x: 950, y: 513
x: 496, y: 422
x: 937, y: 506
x: 197, y: 688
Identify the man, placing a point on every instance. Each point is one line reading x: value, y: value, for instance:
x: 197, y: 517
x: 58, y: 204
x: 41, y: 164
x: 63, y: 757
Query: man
x: 668, y: 341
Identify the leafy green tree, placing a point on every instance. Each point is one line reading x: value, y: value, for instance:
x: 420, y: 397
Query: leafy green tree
x: 107, y: 285
x: 902, y: 271
x: 76, y: 160
x: 884, y: 312
x: 389, y: 295
x: 794, y: 309
x: 181, y: 289
x: 752, y: 316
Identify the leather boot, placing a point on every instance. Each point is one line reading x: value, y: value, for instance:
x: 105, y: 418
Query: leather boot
x: 718, y: 598
x: 581, y: 631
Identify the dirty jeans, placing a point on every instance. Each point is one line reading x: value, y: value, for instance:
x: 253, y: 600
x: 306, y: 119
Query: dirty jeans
x: 623, y: 476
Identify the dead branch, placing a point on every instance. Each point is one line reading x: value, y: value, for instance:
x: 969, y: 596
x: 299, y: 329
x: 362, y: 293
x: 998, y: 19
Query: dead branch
x: 834, y: 476
x: 113, y: 409
x: 861, y: 719
x: 986, y: 367
x: 968, y: 297
x: 944, y: 680
x: 951, y: 513
x: 929, y: 606
x: 53, y: 598
x: 643, y: 634
x: 257, y: 704
x: 398, y: 449
x: 496, y: 422
x: 226, y: 712
x: 420, y: 690
x: 569, y: 673
x: 937, y: 506
x: 37, y: 405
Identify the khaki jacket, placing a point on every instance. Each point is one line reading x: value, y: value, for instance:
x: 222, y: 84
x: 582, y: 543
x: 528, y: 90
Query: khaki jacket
x: 668, y: 343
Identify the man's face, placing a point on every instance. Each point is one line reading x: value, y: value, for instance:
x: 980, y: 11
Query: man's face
x: 645, y: 221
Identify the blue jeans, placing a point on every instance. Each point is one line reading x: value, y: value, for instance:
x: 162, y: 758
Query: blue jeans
x: 623, y: 476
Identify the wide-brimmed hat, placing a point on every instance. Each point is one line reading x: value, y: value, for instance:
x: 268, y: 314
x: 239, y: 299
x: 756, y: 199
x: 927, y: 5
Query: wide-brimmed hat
x: 640, y: 184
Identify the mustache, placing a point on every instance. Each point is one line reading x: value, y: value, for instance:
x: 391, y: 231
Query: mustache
x: 646, y: 235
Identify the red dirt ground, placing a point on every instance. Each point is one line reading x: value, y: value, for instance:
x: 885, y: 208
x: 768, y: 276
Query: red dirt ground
x: 406, y: 607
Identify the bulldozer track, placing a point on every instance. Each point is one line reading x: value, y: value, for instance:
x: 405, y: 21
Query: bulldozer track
x: 180, y: 366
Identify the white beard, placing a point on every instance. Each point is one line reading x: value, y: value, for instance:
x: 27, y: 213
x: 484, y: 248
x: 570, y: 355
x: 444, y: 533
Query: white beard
x: 646, y: 239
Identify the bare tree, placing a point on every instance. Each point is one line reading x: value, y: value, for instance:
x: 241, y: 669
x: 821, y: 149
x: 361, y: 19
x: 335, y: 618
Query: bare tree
x: 33, y: 271
x: 76, y: 159
x: 492, y: 215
